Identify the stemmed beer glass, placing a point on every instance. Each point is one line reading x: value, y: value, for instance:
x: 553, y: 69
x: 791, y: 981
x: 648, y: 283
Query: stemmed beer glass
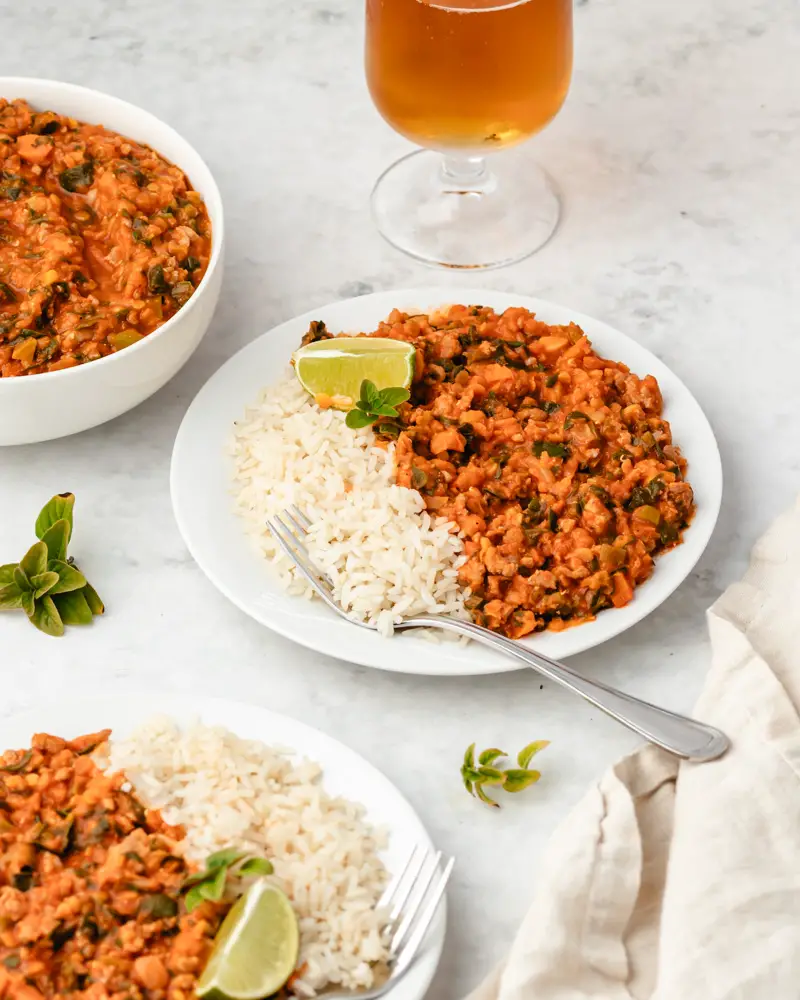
x: 465, y: 79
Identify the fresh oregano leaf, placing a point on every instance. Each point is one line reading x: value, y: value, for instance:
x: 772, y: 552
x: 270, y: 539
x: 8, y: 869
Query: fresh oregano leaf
x: 73, y: 608
x: 490, y: 756
x: 358, y: 418
x: 526, y: 754
x: 34, y: 562
x: 214, y: 887
x: 485, y: 798
x: 27, y: 602
x: 367, y: 391
x: 383, y: 410
x: 491, y: 776
x: 69, y: 578
x: 43, y: 583
x: 256, y: 866
x: 224, y: 858
x: 93, y: 600
x: 56, y: 538
x: 10, y: 597
x: 57, y: 508
x: 394, y: 396
x: 518, y: 779
x: 46, y: 618
x: 193, y: 898
x: 7, y: 574
x: 469, y: 756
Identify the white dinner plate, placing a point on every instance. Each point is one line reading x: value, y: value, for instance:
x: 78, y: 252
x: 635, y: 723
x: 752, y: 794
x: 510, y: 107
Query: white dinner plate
x: 343, y: 770
x: 201, y: 484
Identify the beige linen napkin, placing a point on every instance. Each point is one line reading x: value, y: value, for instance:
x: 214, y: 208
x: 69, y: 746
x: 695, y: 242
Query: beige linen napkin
x: 682, y: 881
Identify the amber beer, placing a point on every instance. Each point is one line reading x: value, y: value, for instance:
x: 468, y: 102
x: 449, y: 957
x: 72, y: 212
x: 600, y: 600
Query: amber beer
x: 468, y: 74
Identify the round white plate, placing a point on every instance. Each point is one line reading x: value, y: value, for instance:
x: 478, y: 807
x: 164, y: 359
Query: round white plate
x: 201, y: 477
x: 343, y: 770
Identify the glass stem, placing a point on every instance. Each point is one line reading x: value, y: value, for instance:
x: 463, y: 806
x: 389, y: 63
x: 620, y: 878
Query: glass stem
x: 465, y: 173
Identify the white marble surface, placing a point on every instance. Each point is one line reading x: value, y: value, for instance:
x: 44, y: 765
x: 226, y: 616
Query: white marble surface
x: 677, y: 153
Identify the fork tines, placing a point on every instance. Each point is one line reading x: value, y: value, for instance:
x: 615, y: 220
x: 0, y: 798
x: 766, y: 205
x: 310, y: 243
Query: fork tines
x: 413, y: 898
x: 289, y: 528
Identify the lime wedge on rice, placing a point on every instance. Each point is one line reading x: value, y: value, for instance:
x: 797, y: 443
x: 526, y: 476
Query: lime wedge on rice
x: 333, y: 370
x: 255, y: 950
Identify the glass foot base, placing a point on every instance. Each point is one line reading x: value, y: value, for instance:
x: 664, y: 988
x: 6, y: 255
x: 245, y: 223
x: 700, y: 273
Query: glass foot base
x: 460, y: 213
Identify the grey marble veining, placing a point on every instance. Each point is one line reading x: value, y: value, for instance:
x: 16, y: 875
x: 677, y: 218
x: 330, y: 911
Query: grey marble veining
x: 677, y: 153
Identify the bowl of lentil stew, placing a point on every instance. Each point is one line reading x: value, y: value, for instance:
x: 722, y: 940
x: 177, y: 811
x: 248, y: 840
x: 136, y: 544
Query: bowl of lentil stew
x: 111, y: 238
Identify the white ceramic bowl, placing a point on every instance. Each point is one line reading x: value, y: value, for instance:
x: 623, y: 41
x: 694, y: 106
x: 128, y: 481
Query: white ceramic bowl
x: 54, y: 404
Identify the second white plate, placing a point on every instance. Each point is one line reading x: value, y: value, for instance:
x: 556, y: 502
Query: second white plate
x: 201, y: 477
x: 342, y: 771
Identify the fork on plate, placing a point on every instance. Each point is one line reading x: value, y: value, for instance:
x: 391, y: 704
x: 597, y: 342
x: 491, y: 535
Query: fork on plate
x: 412, y: 900
x: 679, y: 735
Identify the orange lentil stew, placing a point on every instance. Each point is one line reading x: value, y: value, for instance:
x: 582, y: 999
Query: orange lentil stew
x: 101, y: 241
x: 556, y: 464
x: 90, y: 902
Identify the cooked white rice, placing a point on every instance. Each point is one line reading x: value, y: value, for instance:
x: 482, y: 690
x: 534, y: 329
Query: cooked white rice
x: 387, y: 557
x: 230, y: 792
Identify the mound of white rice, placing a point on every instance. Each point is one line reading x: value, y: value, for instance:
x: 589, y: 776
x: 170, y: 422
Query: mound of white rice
x: 387, y: 558
x: 230, y: 792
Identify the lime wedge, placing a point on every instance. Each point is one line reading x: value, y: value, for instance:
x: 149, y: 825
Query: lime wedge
x: 255, y: 950
x: 333, y: 370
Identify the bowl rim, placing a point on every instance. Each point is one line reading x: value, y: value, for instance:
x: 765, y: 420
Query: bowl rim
x: 217, y: 237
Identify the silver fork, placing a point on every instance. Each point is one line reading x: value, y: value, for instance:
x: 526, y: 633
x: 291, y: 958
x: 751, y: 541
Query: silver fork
x: 412, y: 899
x: 686, y: 738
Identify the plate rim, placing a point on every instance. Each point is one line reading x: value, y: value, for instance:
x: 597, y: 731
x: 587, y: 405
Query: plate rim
x: 128, y: 700
x: 418, y: 664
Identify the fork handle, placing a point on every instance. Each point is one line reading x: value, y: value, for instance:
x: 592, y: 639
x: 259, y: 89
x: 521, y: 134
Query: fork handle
x: 686, y: 738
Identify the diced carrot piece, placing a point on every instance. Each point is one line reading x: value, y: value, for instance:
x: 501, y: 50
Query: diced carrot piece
x: 623, y: 591
x: 35, y: 148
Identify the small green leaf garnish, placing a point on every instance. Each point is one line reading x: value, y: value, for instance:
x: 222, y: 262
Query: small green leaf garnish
x: 69, y: 578
x: 73, y: 608
x: 56, y: 538
x: 375, y: 403
x: 512, y: 779
x: 43, y: 583
x: 223, y: 859
x: 210, y: 882
x: 46, y: 618
x: 57, y: 509
x: 527, y: 753
x: 46, y: 584
x: 257, y: 866
x: 34, y: 562
x: 517, y: 779
x: 10, y: 598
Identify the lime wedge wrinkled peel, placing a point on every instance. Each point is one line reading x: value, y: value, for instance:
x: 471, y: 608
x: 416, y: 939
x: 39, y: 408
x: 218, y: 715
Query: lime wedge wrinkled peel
x: 336, y: 368
x: 255, y: 950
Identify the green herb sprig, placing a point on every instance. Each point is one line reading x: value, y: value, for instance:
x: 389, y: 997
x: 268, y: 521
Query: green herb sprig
x: 46, y: 584
x: 375, y: 404
x: 485, y: 772
x: 210, y: 883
